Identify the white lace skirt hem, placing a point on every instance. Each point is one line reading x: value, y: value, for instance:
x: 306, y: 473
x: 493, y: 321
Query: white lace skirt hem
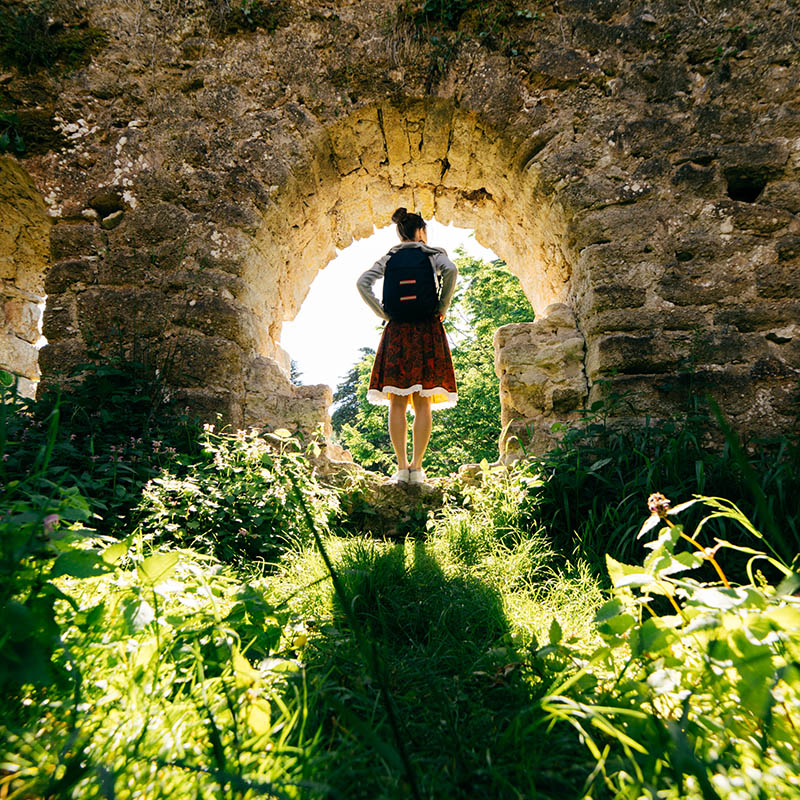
x: 441, y: 397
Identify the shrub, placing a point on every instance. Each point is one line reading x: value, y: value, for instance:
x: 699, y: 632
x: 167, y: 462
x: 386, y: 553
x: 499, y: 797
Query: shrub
x: 238, y: 500
x: 696, y: 696
x: 31, y: 39
x: 116, y: 430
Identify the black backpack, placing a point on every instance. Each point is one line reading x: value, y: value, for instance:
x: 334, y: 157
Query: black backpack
x: 410, y: 287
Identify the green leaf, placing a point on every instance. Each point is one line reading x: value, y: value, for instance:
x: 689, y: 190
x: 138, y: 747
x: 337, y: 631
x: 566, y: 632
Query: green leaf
x: 245, y: 674
x: 79, y: 564
x: 651, y: 636
x: 138, y: 613
x: 157, y: 567
x: 555, y: 632
x: 6, y: 378
x: 258, y: 717
x: 114, y: 552
x: 617, y: 625
x: 608, y: 610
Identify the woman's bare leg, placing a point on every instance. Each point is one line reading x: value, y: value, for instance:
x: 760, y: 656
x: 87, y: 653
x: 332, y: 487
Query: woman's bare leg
x: 423, y: 422
x: 398, y: 428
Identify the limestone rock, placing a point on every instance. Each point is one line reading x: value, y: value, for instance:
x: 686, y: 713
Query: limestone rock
x: 643, y: 182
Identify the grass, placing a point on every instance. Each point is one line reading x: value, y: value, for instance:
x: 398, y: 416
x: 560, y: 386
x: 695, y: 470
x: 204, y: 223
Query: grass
x: 482, y: 656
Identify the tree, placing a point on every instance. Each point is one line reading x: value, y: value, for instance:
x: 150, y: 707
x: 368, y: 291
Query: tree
x: 488, y: 296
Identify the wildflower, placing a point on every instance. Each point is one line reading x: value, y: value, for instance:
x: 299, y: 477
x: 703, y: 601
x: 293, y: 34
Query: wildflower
x: 49, y: 522
x: 658, y: 505
x: 208, y: 427
x: 5, y: 456
x: 73, y: 437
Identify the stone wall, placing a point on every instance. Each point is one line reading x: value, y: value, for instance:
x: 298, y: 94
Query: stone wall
x: 542, y: 380
x: 24, y: 246
x: 640, y: 166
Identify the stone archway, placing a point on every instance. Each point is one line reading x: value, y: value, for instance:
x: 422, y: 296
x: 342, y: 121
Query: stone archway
x: 448, y: 164
x: 203, y: 176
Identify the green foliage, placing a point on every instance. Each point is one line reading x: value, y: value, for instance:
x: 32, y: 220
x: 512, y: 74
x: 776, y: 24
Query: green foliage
x: 186, y: 691
x: 471, y: 661
x: 593, y: 481
x: 10, y: 137
x: 31, y: 39
x: 702, y: 701
x: 236, y: 500
x: 445, y: 24
x: 489, y: 296
x: 117, y: 428
x: 41, y: 534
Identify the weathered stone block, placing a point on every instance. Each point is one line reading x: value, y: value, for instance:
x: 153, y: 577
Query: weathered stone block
x: 788, y: 248
x: 779, y: 280
x: 61, y: 358
x: 758, y: 316
x: 760, y: 219
x: 272, y: 401
x: 70, y: 275
x: 59, y: 321
x: 158, y: 222
x: 71, y: 240
x: 18, y: 356
x: 107, y: 314
x: 636, y: 354
x: 21, y: 317
x: 611, y: 296
x: 697, y: 283
x: 216, y: 406
x: 701, y: 180
x: 645, y: 319
x: 207, y: 361
x: 782, y: 194
x: 216, y: 316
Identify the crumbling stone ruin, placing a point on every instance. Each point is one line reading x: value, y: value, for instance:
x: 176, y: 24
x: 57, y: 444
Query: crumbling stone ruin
x: 636, y: 165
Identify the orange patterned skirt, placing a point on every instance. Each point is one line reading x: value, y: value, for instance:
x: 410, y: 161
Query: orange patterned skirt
x: 413, y: 357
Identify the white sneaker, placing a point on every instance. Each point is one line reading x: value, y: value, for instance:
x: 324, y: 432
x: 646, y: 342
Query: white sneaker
x: 401, y: 476
x: 417, y: 476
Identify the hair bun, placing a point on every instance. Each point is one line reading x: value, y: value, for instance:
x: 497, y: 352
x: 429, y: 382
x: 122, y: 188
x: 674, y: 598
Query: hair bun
x: 399, y: 215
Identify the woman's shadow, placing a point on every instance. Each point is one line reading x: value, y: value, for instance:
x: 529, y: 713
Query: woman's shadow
x: 441, y: 644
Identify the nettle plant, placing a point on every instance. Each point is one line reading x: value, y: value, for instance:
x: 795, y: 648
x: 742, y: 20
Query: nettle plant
x: 239, y: 499
x: 702, y: 701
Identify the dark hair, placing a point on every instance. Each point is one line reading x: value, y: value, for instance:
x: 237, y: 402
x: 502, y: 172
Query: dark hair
x: 408, y: 224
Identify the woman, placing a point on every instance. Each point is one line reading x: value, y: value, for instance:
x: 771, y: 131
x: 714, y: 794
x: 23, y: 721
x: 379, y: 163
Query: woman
x: 413, y: 359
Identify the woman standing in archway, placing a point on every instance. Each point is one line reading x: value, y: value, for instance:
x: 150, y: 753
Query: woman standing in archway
x: 413, y: 359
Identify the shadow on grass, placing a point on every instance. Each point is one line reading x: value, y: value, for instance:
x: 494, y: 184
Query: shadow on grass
x: 467, y: 706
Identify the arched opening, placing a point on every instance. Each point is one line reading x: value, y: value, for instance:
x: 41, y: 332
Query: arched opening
x: 334, y: 337
x: 428, y: 155
x: 24, y: 256
x: 333, y: 305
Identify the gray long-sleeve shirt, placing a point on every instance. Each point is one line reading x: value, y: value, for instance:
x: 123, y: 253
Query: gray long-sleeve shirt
x: 445, y: 269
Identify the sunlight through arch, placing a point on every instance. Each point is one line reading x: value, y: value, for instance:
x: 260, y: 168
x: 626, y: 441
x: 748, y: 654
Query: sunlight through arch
x: 333, y: 323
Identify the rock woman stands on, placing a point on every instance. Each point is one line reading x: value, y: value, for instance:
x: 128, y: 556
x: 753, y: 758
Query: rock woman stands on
x: 413, y: 359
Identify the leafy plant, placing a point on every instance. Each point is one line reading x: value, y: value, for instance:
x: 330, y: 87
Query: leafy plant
x: 236, y: 499
x: 10, y: 137
x: 117, y: 429
x: 699, y: 698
